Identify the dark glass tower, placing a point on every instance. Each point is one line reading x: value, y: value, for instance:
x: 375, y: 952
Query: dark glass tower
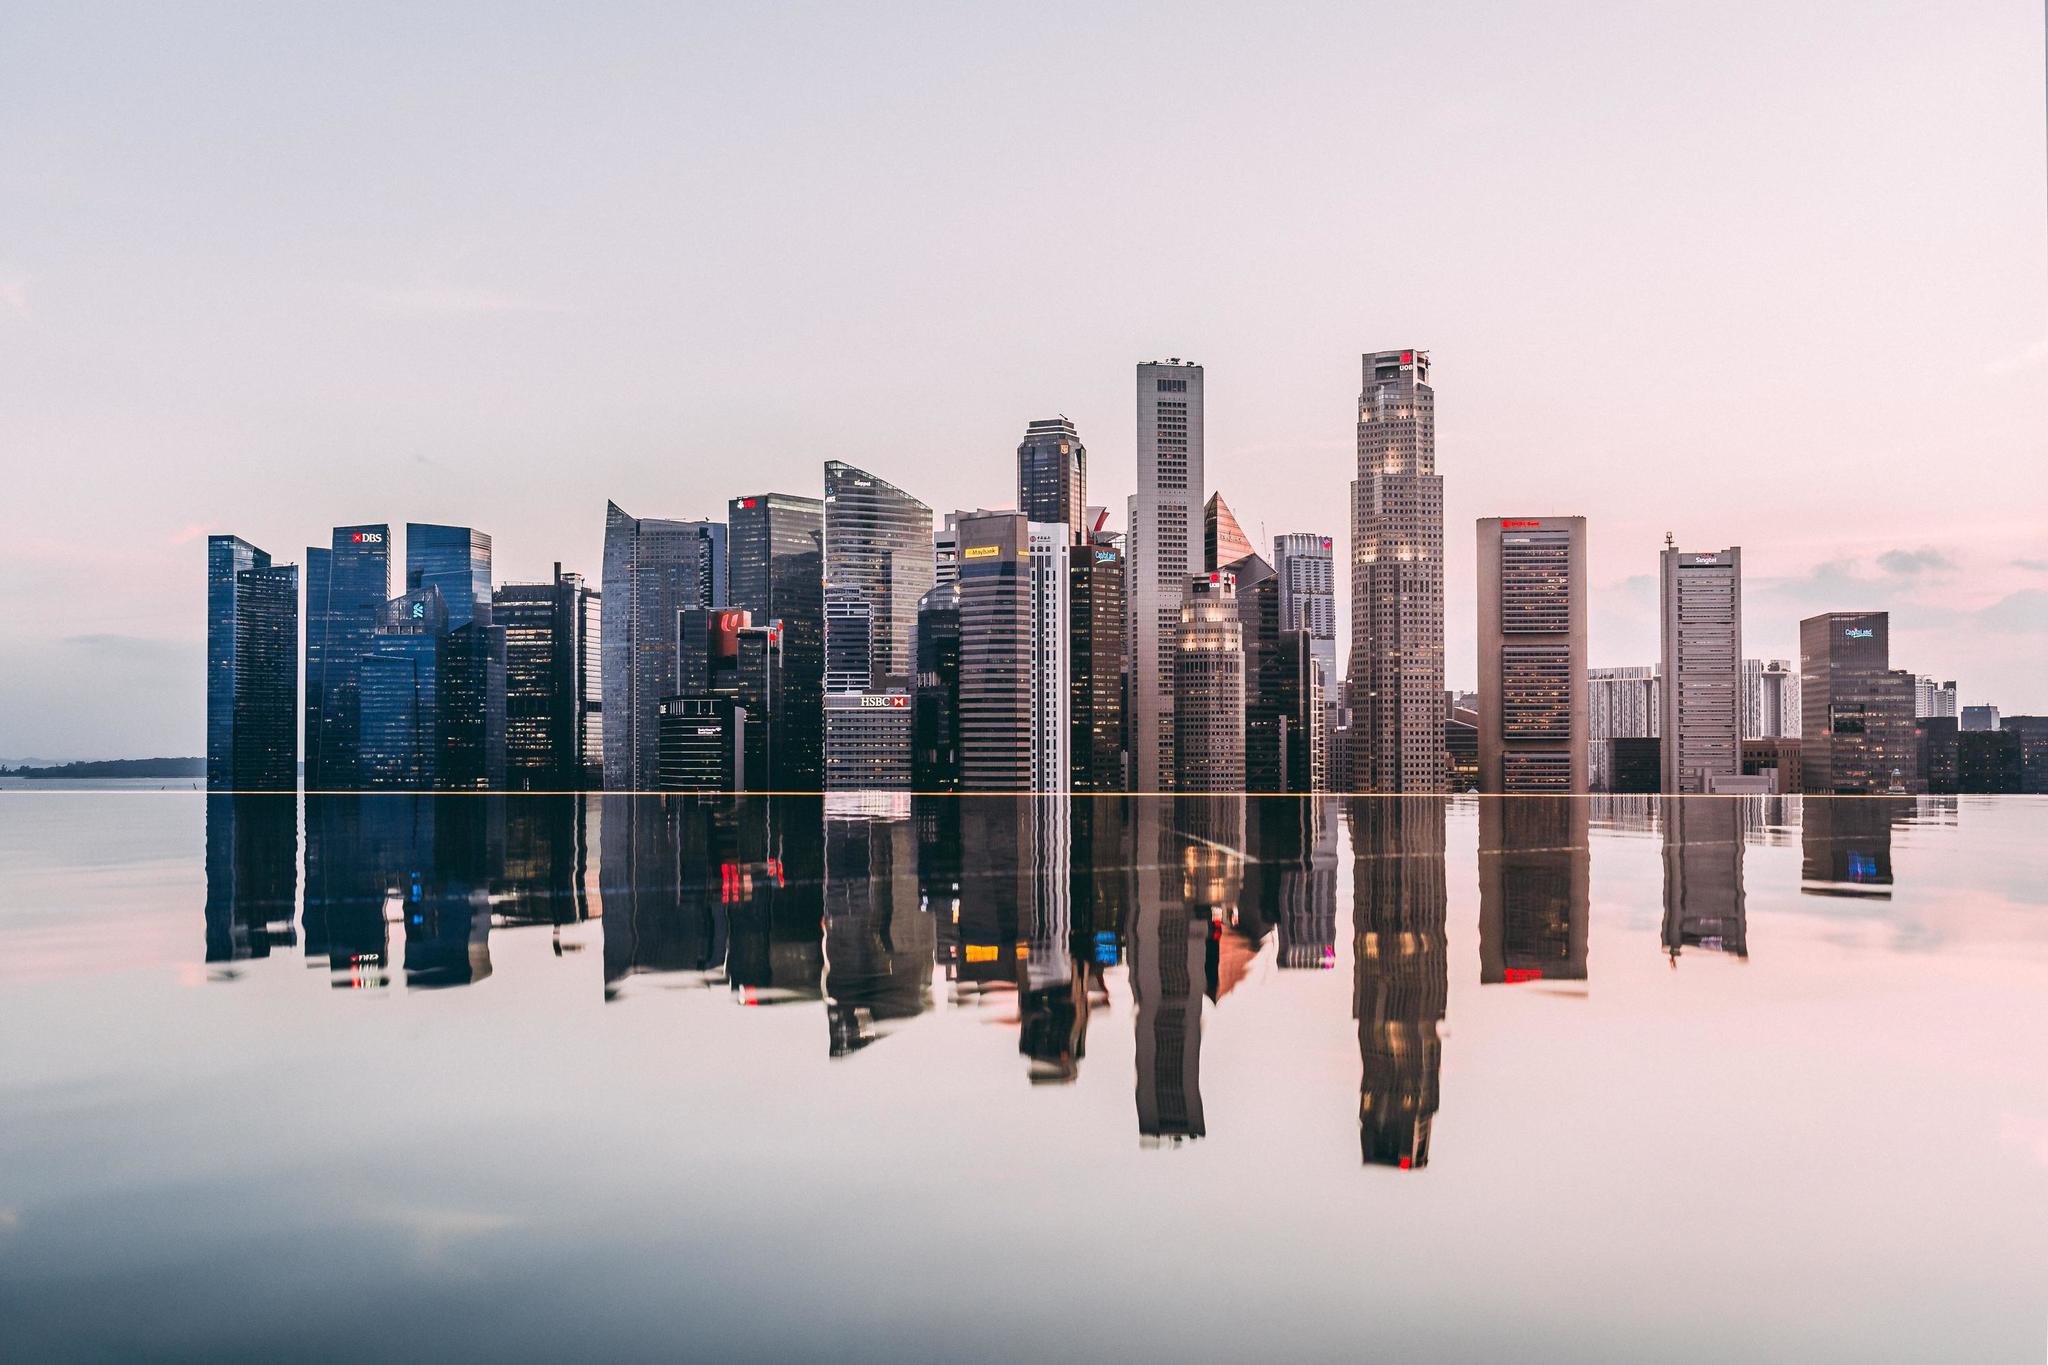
x: 404, y: 682
x: 935, y: 703
x: 878, y: 546
x: 346, y: 588
x: 778, y: 575
x: 456, y: 561
x: 553, y: 711
x: 1096, y: 621
x: 652, y: 569
x: 252, y: 679
x: 1052, y: 474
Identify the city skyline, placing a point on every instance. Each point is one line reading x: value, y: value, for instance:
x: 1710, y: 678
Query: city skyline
x: 458, y: 352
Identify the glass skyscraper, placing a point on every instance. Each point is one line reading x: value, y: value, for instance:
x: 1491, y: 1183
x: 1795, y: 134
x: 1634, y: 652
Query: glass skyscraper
x: 252, y: 679
x: 346, y: 588
x: 778, y: 575
x: 456, y: 561
x: 553, y: 706
x: 652, y: 569
x: 1052, y: 475
x: 404, y: 683
x: 878, y: 544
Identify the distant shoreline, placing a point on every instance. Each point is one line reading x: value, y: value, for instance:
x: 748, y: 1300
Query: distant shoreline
x: 116, y: 767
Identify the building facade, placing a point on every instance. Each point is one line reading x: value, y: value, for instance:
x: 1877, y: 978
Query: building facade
x: 1532, y: 655
x: 778, y: 576
x: 1621, y: 703
x: 554, y: 699
x: 1701, y: 725
x: 867, y: 741
x: 1095, y: 604
x: 935, y: 696
x: 347, y: 584
x: 1306, y: 564
x: 252, y: 672
x: 1397, y: 582
x: 1209, y: 688
x: 1932, y: 697
x: 1052, y: 475
x: 1770, y: 699
x: 1858, y: 733
x: 653, y: 568
x: 403, y: 735
x: 878, y: 547
x: 703, y: 744
x: 1162, y: 542
x: 1223, y: 540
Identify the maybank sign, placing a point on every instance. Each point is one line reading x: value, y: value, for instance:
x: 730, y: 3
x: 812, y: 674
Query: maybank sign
x: 981, y: 552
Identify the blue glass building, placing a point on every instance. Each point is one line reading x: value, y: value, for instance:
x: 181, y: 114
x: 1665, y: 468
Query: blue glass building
x: 252, y: 678
x: 346, y: 588
x: 455, y: 562
x: 652, y: 570
x: 403, y: 681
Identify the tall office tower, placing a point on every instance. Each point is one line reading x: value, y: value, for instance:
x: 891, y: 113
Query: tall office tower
x: 1932, y: 697
x: 652, y: 569
x: 1704, y: 905
x: 404, y: 711
x: 946, y: 553
x: 1401, y: 974
x: 1257, y: 592
x: 1052, y: 475
x: 1160, y: 547
x: 1172, y: 959
x: 1535, y: 891
x: 1701, y: 724
x: 456, y: 561
x: 1770, y: 699
x: 723, y: 654
x: 867, y: 741
x: 878, y: 545
x: 1223, y: 540
x: 554, y: 709
x: 778, y: 574
x: 1015, y: 708
x: 1532, y: 654
x: 1308, y: 601
x: 252, y: 675
x: 703, y: 744
x: 1858, y: 712
x: 1209, y: 688
x: 1397, y: 582
x: 1978, y: 718
x: 346, y: 588
x: 935, y: 697
x: 1621, y: 703
x: 849, y: 641
x: 1096, y: 607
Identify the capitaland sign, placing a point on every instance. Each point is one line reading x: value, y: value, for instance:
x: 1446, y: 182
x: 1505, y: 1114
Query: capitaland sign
x: 1860, y: 633
x: 1105, y: 556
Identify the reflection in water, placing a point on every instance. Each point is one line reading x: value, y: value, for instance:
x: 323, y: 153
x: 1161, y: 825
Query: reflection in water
x: 1703, y: 897
x: 1533, y: 889
x: 1401, y: 979
x: 1034, y: 912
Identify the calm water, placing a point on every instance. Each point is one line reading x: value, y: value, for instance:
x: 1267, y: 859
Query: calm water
x: 991, y: 1079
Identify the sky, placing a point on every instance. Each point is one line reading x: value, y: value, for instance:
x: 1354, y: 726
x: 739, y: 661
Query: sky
x: 1753, y: 274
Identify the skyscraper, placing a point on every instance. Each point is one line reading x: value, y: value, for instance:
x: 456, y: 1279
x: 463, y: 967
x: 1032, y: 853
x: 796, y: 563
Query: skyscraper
x: 1160, y: 556
x: 935, y: 699
x: 1096, y: 607
x: 1858, y: 722
x: 652, y: 570
x: 1932, y: 697
x: 346, y: 588
x: 1052, y: 475
x: 252, y: 676
x: 1015, y: 707
x: 456, y: 562
x: 867, y: 741
x: 554, y: 710
x: 1532, y: 654
x: 1282, y: 701
x: 1306, y: 564
x: 778, y: 574
x: 1401, y: 974
x: 1223, y: 540
x: 878, y: 545
x: 849, y: 641
x: 1209, y: 688
x: 404, y: 713
x: 1621, y: 703
x: 1770, y: 699
x: 1397, y: 582
x: 1701, y: 724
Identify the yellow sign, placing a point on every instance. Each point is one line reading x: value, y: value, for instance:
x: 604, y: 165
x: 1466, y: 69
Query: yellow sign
x: 981, y: 552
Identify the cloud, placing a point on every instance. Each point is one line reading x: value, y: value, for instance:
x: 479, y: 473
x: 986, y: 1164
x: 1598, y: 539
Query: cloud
x: 1906, y: 563
x: 189, y: 532
x: 2025, y: 610
x: 2033, y: 565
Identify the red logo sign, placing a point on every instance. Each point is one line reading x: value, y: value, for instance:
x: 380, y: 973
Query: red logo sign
x: 1512, y: 525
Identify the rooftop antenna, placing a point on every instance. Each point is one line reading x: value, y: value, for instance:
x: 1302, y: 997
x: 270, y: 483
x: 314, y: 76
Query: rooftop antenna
x: 1669, y: 543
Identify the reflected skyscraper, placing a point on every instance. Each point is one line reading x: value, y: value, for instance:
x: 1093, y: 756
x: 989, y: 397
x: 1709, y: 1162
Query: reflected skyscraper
x: 1172, y: 952
x: 1534, y: 892
x: 1401, y: 980
x: 879, y: 941
x: 1300, y: 878
x: 252, y: 676
x: 1846, y: 845
x: 662, y: 876
x: 1704, y: 905
x: 252, y: 875
x: 347, y: 585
